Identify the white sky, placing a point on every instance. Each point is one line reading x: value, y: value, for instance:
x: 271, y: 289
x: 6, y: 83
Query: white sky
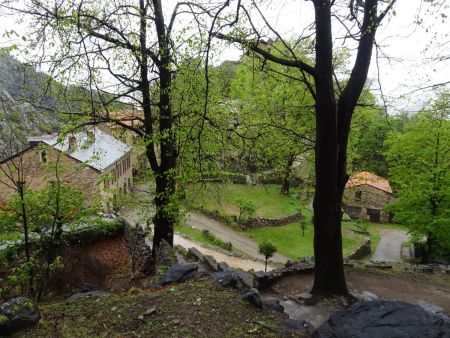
x: 411, y: 48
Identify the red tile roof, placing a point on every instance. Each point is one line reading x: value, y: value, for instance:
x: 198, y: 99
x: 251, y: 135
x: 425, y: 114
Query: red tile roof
x: 373, y: 180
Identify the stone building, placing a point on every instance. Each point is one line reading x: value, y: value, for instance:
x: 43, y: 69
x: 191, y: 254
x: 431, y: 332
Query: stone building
x: 91, y: 161
x: 365, y: 197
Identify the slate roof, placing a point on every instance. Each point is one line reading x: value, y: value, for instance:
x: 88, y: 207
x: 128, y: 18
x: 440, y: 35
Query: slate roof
x: 367, y: 178
x: 100, y: 152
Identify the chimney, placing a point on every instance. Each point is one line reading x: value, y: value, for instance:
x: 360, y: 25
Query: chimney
x: 72, y: 143
x: 90, y: 136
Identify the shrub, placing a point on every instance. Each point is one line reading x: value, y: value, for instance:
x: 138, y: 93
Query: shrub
x: 267, y: 249
x: 246, y: 208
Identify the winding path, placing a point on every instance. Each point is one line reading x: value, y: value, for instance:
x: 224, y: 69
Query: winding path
x: 390, y: 246
x: 241, y: 242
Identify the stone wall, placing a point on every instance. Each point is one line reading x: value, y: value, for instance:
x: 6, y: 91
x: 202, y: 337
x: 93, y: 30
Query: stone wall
x: 140, y: 253
x: 260, y: 222
x: 357, y: 201
x: 37, y: 172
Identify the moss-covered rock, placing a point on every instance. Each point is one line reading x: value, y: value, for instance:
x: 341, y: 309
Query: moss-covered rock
x: 16, y: 314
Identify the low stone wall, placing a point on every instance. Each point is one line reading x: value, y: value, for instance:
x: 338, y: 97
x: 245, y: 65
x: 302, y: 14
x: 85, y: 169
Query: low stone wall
x: 362, y: 251
x: 266, y: 279
x: 140, y: 252
x: 261, y: 222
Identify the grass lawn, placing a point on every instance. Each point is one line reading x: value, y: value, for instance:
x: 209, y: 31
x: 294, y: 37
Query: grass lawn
x: 267, y: 199
x: 289, y: 240
x: 199, y: 237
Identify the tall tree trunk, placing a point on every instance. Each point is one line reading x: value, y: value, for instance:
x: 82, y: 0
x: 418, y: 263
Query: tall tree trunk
x: 286, y: 179
x: 166, y: 207
x: 329, y: 275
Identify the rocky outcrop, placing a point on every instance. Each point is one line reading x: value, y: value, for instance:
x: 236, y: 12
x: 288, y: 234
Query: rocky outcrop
x: 17, y: 314
x: 179, y: 273
x: 362, y: 251
x: 253, y: 297
x: 382, y: 318
x: 238, y: 280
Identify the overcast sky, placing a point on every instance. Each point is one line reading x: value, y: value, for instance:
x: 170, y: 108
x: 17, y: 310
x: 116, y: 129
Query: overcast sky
x: 410, y: 49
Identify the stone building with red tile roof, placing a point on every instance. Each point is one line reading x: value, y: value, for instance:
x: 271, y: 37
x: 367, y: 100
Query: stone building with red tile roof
x: 365, y: 197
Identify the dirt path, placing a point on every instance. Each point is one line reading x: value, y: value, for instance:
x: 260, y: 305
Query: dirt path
x: 390, y: 246
x: 222, y: 231
x: 236, y: 262
x: 394, y: 285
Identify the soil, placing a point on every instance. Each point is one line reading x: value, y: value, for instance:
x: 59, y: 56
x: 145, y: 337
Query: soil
x: 105, y: 263
x: 197, y: 308
x: 394, y: 285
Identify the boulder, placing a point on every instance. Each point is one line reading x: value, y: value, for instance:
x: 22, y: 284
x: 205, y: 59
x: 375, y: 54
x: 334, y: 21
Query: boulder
x: 178, y: 273
x: 16, y: 314
x: 295, y: 326
x: 273, y: 304
x: 223, y: 266
x: 382, y: 318
x: 89, y: 294
x: 210, y: 262
x: 368, y: 296
x: 196, y: 254
x: 253, y: 297
x: 166, y: 255
x: 433, y: 308
x: 239, y: 280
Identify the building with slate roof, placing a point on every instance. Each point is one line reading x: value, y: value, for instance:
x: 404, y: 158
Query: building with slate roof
x: 89, y: 160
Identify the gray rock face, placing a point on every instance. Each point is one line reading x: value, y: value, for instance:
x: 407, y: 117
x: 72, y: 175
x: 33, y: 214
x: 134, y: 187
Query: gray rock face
x: 166, y: 255
x: 294, y: 325
x: 433, y: 308
x: 223, y: 266
x: 253, y: 297
x: 89, y: 294
x: 16, y: 314
x: 274, y: 304
x: 382, y: 318
x: 178, y: 273
x: 234, y: 279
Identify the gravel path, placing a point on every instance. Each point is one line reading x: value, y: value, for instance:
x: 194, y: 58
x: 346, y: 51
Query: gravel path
x: 235, y: 262
x: 225, y: 233
x: 390, y: 246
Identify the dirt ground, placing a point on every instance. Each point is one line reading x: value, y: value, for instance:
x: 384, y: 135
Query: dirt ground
x: 394, y: 285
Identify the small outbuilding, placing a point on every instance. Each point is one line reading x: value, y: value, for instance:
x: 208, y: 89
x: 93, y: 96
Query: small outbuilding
x: 365, y: 197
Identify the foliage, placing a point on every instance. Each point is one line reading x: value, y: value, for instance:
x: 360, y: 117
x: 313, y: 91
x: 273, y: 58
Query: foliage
x: 246, y: 208
x: 274, y: 117
x: 292, y: 244
x: 210, y: 237
x: 419, y: 168
x: 267, y: 249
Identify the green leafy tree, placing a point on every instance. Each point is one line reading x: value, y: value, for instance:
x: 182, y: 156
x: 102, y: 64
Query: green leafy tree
x: 246, y: 208
x: 419, y: 168
x: 267, y: 249
x: 276, y: 125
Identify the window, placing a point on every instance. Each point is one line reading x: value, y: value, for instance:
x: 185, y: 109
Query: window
x: 43, y: 156
x: 358, y: 195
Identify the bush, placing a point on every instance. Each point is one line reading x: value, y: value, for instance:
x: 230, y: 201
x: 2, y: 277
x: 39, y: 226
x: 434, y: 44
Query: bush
x: 216, y: 241
x: 246, y: 208
x: 267, y: 249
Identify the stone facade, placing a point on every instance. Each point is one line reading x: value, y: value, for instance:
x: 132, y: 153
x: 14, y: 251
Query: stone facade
x: 367, y: 202
x: 38, y: 164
